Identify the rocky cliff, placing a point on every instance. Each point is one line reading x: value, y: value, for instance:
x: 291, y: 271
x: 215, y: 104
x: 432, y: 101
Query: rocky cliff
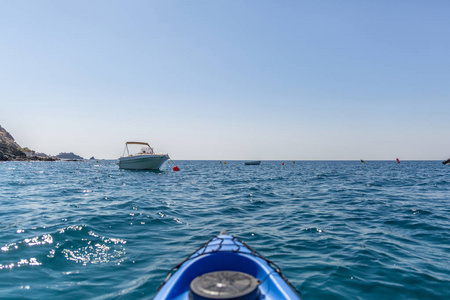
x: 9, y: 149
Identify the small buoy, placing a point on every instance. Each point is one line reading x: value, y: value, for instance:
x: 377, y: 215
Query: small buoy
x: 282, y: 164
x: 220, y: 161
x: 293, y: 162
x: 363, y: 161
x: 176, y: 168
x: 398, y: 161
x: 224, y: 162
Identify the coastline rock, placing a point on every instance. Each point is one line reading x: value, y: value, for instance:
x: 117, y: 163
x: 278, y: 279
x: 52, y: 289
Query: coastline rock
x: 9, y: 149
x: 36, y: 158
x: 69, y: 156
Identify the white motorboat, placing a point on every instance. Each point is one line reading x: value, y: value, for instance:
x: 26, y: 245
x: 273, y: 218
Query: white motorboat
x: 146, y: 159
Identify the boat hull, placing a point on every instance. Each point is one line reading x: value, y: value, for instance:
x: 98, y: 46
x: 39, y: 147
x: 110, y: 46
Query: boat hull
x: 252, y: 163
x: 226, y: 253
x: 143, y: 162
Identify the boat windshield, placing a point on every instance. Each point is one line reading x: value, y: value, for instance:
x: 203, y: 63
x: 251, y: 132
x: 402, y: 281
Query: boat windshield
x: 146, y: 150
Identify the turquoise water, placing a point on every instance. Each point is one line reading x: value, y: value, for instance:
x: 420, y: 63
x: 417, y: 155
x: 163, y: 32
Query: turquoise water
x: 338, y: 230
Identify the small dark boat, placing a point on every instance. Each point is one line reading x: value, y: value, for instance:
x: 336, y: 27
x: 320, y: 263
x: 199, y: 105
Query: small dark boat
x: 446, y: 162
x: 226, y: 268
x: 252, y: 163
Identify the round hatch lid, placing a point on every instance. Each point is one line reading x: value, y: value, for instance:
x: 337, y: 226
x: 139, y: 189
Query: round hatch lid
x: 225, y: 285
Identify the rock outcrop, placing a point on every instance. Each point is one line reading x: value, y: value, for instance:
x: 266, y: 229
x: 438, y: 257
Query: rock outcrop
x: 70, y: 155
x: 9, y: 149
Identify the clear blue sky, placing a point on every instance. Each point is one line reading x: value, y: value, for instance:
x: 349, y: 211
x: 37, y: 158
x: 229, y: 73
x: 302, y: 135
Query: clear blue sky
x: 293, y: 80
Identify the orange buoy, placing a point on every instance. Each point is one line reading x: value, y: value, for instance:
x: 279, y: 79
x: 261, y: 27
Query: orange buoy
x: 176, y: 169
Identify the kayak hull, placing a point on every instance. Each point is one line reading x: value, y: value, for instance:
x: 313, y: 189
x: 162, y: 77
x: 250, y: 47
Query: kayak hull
x: 227, y: 253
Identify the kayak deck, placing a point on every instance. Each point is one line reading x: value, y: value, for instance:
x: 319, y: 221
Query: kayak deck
x: 226, y: 253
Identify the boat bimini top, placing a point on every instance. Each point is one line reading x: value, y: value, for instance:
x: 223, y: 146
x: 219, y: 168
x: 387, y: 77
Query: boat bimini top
x: 149, y: 151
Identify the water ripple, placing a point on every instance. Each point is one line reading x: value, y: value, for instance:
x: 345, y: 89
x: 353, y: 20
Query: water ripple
x: 338, y: 230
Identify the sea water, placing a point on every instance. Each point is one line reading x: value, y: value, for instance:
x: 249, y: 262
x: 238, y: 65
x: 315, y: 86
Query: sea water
x: 337, y: 229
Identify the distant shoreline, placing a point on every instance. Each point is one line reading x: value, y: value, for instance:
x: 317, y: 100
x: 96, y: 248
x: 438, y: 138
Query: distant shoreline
x: 33, y: 158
